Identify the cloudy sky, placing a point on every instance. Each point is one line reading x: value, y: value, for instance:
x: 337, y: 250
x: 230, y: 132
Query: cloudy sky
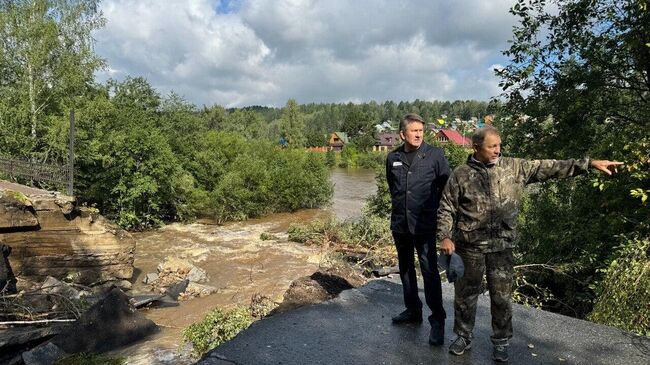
x: 263, y: 52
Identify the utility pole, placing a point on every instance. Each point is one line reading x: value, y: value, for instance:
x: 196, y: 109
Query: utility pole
x: 71, y: 156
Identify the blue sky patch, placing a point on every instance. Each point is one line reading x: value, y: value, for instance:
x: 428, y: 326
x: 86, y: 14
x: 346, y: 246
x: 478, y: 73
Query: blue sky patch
x: 228, y: 6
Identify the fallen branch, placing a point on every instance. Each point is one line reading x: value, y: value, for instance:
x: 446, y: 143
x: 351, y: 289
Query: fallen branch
x: 42, y: 321
x: 554, y: 269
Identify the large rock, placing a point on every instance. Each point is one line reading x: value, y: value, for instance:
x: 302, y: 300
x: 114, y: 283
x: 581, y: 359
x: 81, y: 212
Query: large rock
x: 51, y: 236
x: 174, y: 269
x: 16, y: 211
x: 111, y: 323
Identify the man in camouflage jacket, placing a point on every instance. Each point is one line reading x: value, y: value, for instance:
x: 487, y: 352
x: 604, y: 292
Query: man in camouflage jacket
x: 477, y: 219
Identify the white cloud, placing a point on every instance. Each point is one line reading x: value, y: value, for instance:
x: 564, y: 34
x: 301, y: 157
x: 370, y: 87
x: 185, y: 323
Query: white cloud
x: 266, y: 51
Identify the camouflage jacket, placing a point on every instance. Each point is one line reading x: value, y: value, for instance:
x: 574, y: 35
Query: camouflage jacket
x: 480, y: 203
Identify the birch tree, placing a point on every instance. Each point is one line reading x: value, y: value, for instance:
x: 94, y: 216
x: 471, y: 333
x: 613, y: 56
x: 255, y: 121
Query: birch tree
x: 47, y: 63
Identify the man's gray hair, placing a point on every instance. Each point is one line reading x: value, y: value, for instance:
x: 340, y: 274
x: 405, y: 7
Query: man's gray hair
x: 408, y: 119
x: 478, y: 137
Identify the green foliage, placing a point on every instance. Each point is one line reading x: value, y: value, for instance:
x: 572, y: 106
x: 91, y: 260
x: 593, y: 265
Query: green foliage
x: 358, y: 123
x: 371, y: 160
x: 241, y: 180
x: 317, y: 138
x: 292, y: 124
x: 456, y: 155
x: 267, y: 236
x: 330, y: 158
x: 529, y: 293
x: 577, y: 86
x: 90, y: 359
x: 349, y: 156
x: 380, y: 204
x: 127, y: 165
x: 368, y: 231
x: 46, y: 64
x: 217, y: 327
x: 624, y: 293
x: 159, y: 160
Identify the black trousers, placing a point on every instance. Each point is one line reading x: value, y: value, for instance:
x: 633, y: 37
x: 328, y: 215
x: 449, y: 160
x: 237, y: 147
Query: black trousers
x: 425, y: 246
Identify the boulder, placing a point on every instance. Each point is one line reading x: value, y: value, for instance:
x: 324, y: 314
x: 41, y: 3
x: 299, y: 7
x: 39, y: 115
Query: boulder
x: 150, y: 278
x: 52, y: 236
x: 46, y: 354
x: 195, y: 290
x: 16, y: 211
x: 7, y: 278
x: 111, y: 323
x: 197, y: 275
x: 174, y: 270
x: 54, y: 286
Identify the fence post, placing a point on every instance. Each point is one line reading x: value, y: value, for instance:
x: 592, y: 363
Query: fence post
x: 71, y: 156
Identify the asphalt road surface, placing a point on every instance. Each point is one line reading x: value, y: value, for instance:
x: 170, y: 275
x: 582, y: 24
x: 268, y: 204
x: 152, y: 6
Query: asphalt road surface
x: 355, y: 328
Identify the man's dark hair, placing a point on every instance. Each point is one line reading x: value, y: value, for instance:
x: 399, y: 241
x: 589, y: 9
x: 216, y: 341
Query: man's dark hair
x: 478, y: 137
x: 408, y: 119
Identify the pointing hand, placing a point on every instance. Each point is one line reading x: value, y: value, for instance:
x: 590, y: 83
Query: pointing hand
x: 606, y: 166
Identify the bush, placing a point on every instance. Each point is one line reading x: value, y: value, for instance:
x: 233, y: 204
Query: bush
x: 316, y: 232
x: 624, y: 293
x: 300, y: 179
x: 379, y: 204
x: 371, y: 160
x: 349, y: 156
x: 90, y: 359
x: 456, y: 155
x: 217, y: 327
x: 330, y: 158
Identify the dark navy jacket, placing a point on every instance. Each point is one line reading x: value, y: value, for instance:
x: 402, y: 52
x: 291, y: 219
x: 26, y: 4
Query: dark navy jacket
x: 415, y: 190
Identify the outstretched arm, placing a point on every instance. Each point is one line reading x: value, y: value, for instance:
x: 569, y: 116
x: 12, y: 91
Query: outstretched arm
x: 607, y: 167
x: 447, y: 215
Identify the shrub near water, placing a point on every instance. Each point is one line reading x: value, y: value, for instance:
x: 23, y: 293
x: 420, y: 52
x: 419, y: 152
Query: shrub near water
x: 217, y: 327
x: 625, y: 291
x: 90, y: 359
x: 237, y: 179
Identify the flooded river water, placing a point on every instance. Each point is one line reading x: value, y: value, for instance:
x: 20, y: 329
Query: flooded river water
x: 238, y: 263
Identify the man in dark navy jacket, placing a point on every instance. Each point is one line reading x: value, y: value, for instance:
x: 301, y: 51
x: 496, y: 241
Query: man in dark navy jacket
x: 416, y: 174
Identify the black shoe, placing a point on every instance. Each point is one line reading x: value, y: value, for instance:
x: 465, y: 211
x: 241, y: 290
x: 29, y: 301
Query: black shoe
x: 437, y: 334
x: 459, y: 345
x: 500, y: 353
x: 408, y: 316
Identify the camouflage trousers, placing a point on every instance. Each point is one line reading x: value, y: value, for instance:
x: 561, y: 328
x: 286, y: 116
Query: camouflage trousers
x: 498, y: 268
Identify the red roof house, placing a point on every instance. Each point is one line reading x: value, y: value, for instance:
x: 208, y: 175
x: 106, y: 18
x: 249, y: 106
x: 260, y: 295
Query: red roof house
x: 451, y: 135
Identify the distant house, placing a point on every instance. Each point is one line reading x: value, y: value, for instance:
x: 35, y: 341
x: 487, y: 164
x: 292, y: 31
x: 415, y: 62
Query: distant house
x: 450, y: 135
x: 433, y: 128
x: 386, y: 141
x: 338, y: 140
x: 386, y: 126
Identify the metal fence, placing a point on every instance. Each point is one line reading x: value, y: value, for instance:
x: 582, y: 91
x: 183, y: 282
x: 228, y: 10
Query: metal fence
x: 36, y: 171
x: 17, y: 168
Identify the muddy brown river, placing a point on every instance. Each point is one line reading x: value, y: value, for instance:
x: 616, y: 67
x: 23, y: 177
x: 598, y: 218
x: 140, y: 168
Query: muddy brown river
x: 238, y: 263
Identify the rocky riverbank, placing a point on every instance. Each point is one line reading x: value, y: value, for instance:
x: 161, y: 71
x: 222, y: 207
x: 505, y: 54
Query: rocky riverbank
x: 50, y: 235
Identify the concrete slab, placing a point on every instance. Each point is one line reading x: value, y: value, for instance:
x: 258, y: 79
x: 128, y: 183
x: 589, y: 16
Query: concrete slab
x: 355, y: 328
